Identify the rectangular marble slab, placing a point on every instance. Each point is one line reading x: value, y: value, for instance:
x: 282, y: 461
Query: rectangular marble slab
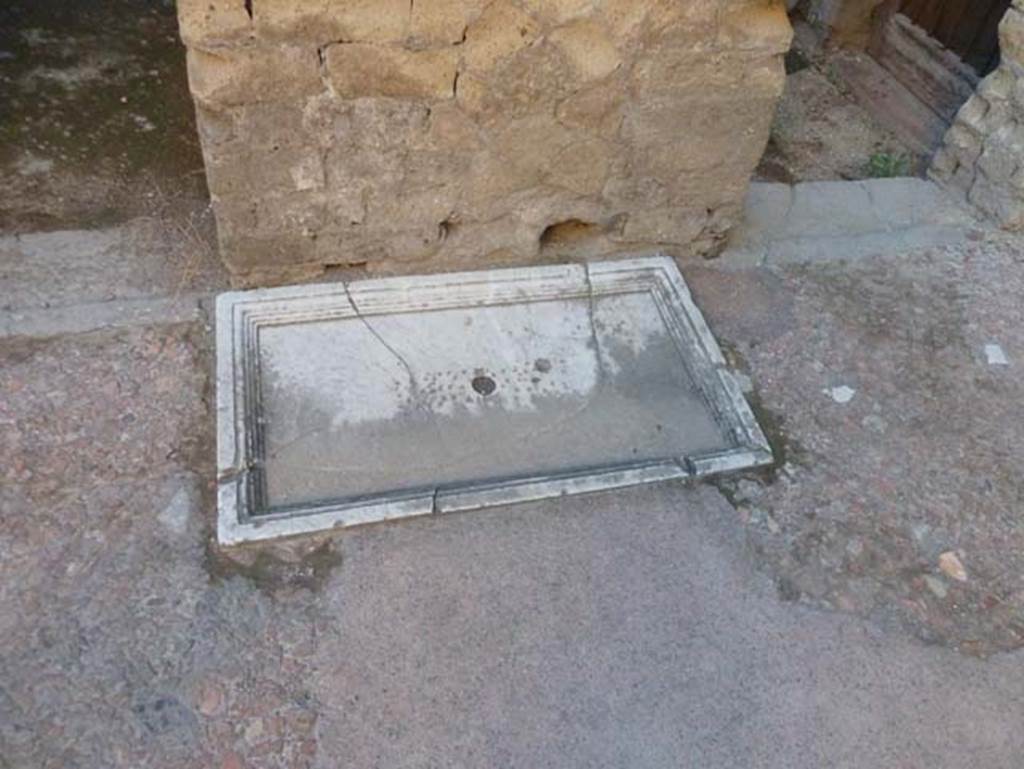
x: 345, y: 404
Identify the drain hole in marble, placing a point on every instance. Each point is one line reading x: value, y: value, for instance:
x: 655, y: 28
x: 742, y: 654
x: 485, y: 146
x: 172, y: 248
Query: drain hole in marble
x: 484, y: 385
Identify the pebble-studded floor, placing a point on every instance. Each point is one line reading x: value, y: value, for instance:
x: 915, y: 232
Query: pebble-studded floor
x: 922, y: 460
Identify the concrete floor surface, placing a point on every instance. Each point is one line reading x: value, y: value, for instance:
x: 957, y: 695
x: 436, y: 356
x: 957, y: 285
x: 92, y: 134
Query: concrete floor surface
x: 800, y: 618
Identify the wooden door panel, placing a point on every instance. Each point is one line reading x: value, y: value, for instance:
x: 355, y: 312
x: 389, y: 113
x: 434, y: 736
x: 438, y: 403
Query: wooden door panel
x: 983, y: 51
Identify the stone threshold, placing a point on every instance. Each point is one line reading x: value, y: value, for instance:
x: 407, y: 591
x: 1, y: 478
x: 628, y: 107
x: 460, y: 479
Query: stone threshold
x: 827, y: 221
x: 346, y: 404
x: 95, y: 316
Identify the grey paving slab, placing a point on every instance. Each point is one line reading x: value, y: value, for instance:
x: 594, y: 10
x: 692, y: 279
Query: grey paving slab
x: 117, y: 313
x: 827, y: 221
x: 142, y: 259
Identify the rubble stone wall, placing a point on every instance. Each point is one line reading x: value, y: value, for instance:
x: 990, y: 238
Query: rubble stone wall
x: 430, y: 134
x: 982, y: 157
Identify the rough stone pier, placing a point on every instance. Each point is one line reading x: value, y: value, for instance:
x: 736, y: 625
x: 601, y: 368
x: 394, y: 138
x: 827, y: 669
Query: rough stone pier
x: 463, y: 132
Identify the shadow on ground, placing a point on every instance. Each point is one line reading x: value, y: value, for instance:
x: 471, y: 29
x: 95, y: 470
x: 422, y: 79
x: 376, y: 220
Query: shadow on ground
x: 96, y: 122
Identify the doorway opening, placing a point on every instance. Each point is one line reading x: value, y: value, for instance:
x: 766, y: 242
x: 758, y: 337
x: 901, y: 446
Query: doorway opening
x: 938, y: 49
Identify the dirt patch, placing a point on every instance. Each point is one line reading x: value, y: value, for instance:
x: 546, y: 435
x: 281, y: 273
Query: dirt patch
x: 305, y: 564
x: 820, y: 133
x: 96, y: 122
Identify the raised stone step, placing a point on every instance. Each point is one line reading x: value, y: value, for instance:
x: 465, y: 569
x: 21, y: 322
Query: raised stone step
x: 825, y: 221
